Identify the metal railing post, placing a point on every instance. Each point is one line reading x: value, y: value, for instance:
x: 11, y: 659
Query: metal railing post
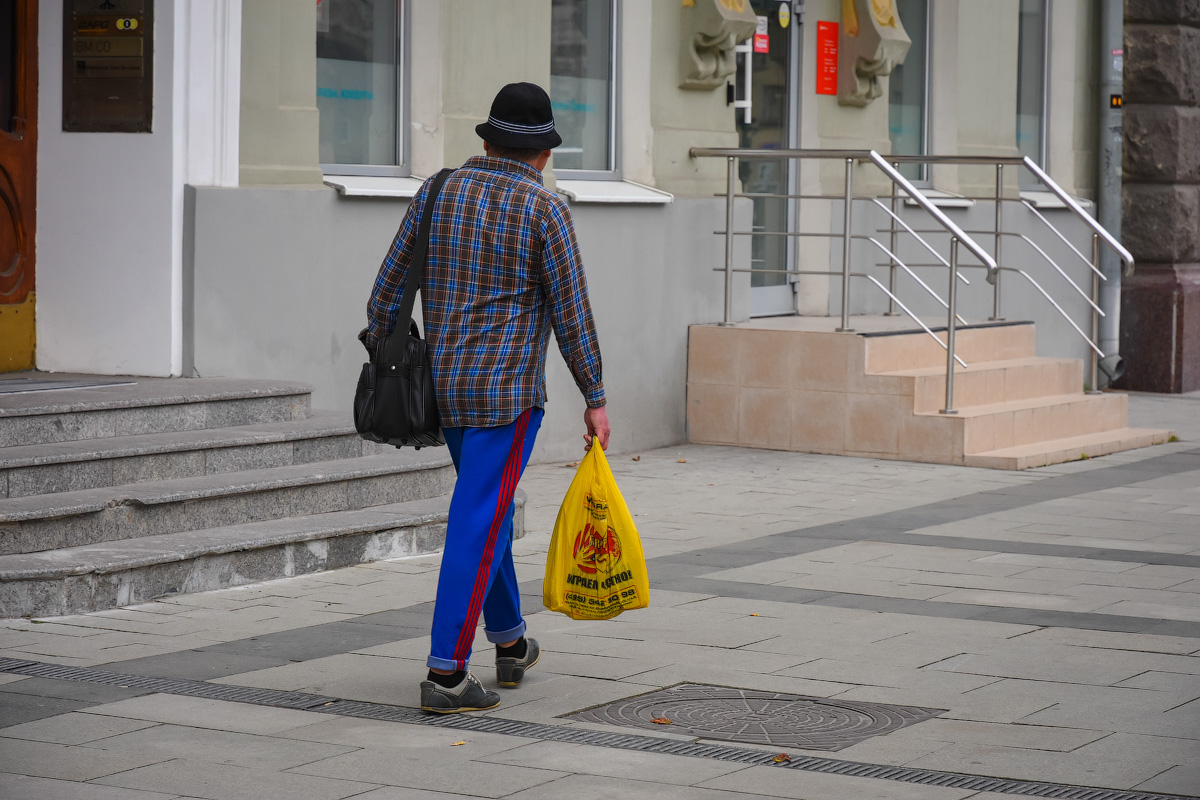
x: 952, y: 301
x: 892, y: 245
x: 996, y: 314
x: 1094, y: 365
x: 730, y: 176
x: 846, y: 241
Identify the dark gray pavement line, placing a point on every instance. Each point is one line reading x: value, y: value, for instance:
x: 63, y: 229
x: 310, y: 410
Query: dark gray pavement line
x: 682, y: 572
x: 933, y: 608
x: 901, y: 527
x: 617, y: 739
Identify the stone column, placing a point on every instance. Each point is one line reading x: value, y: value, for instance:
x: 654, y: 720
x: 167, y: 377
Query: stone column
x: 1160, y: 302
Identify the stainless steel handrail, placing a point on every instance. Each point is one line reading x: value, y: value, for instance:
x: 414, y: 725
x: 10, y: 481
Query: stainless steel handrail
x: 1099, y: 234
x: 1043, y: 178
x: 1052, y: 301
x: 1088, y: 219
x: 992, y: 262
x: 928, y: 289
x: 851, y: 157
x: 1063, y: 239
x: 855, y: 155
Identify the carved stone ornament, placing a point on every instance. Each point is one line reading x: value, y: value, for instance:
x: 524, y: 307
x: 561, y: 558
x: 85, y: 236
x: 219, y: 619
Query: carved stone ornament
x: 711, y: 28
x: 872, y: 41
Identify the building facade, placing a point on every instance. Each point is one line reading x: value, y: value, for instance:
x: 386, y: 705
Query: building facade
x: 217, y: 181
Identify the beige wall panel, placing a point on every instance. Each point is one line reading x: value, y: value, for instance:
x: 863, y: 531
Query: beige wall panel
x: 485, y: 45
x: 943, y: 90
x: 987, y: 88
x: 1086, y: 77
x: 824, y: 123
x: 635, y: 96
x: 683, y: 118
x: 279, y: 122
x: 426, y: 128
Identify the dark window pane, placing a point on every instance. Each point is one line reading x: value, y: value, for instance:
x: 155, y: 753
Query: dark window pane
x: 1031, y: 78
x: 357, y: 54
x: 581, y: 71
x: 8, y: 64
x: 906, y: 89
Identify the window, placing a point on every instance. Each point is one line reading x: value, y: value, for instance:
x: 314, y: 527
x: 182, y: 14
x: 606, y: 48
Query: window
x: 907, y: 89
x: 1031, y: 80
x: 359, y: 86
x: 582, y: 86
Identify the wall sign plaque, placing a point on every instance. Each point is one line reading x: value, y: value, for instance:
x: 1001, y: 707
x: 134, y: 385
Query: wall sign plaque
x: 108, y: 65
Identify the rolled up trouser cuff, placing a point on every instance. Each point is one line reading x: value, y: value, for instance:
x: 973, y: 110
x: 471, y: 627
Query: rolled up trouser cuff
x: 441, y: 663
x: 500, y: 637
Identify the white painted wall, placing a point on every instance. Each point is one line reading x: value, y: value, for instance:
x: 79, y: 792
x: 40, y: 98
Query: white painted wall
x: 281, y: 278
x: 110, y: 205
x: 107, y: 278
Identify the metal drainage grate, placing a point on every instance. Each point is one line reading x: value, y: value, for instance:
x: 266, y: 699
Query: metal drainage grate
x: 211, y: 691
x: 554, y: 733
x: 766, y: 718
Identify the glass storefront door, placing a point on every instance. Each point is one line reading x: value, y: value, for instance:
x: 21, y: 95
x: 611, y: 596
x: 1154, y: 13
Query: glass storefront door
x: 774, y: 82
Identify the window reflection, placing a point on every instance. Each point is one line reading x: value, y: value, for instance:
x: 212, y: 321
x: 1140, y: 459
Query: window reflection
x: 906, y: 89
x: 357, y: 80
x: 1031, y: 78
x: 581, y: 74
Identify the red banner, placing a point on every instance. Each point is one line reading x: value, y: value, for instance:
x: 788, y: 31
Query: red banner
x: 762, y: 40
x: 827, y: 57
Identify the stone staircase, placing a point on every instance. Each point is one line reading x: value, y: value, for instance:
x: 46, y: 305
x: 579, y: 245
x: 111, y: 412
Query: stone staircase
x: 786, y: 384
x: 117, y: 494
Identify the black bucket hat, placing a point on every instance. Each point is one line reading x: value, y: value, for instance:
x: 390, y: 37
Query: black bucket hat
x: 521, y: 117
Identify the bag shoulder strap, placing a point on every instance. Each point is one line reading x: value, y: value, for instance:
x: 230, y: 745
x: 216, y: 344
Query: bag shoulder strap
x: 416, y: 265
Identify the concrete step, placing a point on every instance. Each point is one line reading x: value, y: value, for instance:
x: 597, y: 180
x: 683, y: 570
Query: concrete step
x: 93, y: 463
x: 1021, y: 422
x: 98, y: 576
x: 149, y: 405
x: 1071, y: 448
x: 988, y: 382
x: 91, y: 516
x: 887, y: 351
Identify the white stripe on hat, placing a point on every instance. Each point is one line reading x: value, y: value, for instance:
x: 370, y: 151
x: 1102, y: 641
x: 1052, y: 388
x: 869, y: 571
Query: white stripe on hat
x: 513, y: 127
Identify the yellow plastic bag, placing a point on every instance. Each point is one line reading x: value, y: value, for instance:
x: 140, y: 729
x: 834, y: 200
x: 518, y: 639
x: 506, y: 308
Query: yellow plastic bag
x: 595, y: 568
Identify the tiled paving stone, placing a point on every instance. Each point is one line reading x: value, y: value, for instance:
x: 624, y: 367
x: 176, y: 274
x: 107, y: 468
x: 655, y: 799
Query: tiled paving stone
x: 16, y: 709
x: 763, y: 718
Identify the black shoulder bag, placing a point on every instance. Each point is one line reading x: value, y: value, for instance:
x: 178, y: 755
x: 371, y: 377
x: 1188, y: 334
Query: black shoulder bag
x: 395, y: 402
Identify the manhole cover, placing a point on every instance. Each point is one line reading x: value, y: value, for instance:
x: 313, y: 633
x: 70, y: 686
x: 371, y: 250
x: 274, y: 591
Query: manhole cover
x: 742, y: 715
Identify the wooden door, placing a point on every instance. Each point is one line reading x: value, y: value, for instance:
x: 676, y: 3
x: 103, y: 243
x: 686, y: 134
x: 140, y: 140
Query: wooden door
x: 18, y: 181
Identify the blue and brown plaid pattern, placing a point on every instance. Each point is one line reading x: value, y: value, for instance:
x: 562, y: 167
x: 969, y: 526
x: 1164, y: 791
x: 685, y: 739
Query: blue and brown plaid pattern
x: 503, y: 269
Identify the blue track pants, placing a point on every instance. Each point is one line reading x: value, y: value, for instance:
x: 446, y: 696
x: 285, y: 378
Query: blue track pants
x: 477, y: 572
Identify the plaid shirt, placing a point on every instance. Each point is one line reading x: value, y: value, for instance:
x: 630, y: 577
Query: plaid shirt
x: 503, y: 268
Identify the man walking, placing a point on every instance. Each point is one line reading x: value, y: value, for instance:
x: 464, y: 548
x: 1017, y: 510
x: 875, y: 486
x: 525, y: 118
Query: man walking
x: 503, y: 268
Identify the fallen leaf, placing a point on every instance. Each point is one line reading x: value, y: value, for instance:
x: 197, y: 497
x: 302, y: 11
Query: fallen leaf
x: 456, y: 744
x: 754, y: 615
x: 681, y: 461
x: 661, y: 721
x: 712, y: 484
x: 572, y: 464
x: 781, y: 758
x: 637, y: 458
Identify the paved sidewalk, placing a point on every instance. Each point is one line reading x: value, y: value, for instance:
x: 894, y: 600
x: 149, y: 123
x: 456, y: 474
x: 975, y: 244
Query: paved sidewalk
x: 1050, y: 619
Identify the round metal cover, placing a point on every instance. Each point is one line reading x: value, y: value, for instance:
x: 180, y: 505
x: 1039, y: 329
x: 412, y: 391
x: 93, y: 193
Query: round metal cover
x: 752, y: 717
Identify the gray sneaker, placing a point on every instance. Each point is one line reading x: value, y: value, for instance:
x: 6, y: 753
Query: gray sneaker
x: 469, y: 695
x: 511, y: 671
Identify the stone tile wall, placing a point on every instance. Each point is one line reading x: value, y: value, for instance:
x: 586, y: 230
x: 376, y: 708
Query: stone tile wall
x: 1160, y: 308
